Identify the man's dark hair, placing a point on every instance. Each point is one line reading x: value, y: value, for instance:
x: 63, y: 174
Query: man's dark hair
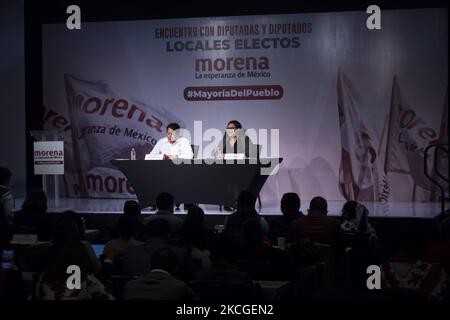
x: 290, y: 203
x: 165, y: 201
x: 165, y: 259
x: 157, y: 228
x: 246, y: 200
x: 236, y: 123
x: 174, y: 126
x: 132, y: 207
x: 5, y: 175
x: 318, y: 204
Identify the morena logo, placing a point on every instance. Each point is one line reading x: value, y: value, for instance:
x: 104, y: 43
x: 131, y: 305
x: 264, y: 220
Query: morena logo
x: 48, y: 153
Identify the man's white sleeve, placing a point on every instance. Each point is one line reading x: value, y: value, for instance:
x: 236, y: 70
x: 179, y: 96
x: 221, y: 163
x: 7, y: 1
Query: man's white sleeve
x: 186, y: 150
x: 156, y: 149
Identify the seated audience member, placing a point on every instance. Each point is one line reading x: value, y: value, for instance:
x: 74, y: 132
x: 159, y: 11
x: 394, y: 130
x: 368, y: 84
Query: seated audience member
x: 355, y: 285
x: 223, y: 268
x: 4, y: 233
x: 402, y: 272
x: 165, y: 204
x: 128, y: 225
x: 290, y: 207
x: 79, y: 222
x: 226, y: 246
x: 160, y: 284
x: 68, y: 250
x: 440, y: 252
x: 224, y: 280
x: 34, y: 215
x: 45, y: 226
x: 246, y: 201
x: 33, y: 208
x: 132, y: 208
x: 6, y: 208
x: 249, y: 213
x: 316, y: 226
x: 194, y: 235
x: 261, y: 260
x: 355, y: 219
x: 137, y: 259
x: 12, y: 285
x: 6, y: 197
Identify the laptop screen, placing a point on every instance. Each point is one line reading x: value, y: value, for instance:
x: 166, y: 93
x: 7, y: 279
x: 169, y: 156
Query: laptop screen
x: 7, y: 259
x: 98, y: 249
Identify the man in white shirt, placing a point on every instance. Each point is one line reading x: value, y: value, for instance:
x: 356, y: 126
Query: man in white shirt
x: 172, y: 146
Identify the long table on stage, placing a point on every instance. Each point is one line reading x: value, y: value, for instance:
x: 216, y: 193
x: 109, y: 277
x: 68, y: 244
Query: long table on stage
x: 196, y: 181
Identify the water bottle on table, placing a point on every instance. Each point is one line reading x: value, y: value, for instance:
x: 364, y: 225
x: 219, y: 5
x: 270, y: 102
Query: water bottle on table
x: 133, y: 154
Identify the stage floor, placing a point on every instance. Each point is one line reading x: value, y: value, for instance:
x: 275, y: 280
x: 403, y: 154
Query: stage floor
x: 114, y: 206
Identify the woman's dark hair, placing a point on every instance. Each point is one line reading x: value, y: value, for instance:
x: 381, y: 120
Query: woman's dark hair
x: 65, y: 232
x: 193, y: 228
x: 35, y: 202
x: 128, y: 226
x: 349, y: 214
x: 77, y: 219
x: 131, y: 207
x: 236, y: 123
x: 349, y: 211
